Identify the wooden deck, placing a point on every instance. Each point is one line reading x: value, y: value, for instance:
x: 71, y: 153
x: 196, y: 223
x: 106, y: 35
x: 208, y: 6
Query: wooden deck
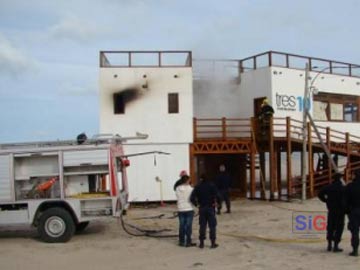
x: 281, y: 135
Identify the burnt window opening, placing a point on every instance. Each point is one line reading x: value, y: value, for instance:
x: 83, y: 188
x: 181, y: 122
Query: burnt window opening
x: 173, y: 102
x: 119, y: 104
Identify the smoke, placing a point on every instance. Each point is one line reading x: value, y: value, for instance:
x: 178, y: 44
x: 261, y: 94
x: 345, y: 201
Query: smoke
x: 216, y: 88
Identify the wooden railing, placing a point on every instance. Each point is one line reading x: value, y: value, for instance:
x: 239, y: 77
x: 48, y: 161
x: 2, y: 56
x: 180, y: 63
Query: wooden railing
x: 221, y: 128
x: 321, y: 177
x: 238, y: 128
x: 287, y: 60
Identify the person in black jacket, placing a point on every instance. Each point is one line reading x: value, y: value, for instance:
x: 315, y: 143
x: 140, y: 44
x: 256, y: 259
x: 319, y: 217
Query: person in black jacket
x: 353, y: 205
x: 223, y: 184
x: 205, y: 195
x: 334, y: 197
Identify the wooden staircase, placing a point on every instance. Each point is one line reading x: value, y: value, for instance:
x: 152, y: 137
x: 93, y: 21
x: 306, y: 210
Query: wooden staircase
x: 285, y: 135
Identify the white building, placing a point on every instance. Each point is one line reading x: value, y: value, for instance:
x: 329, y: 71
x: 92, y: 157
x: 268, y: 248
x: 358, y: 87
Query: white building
x: 152, y: 96
x: 160, y: 94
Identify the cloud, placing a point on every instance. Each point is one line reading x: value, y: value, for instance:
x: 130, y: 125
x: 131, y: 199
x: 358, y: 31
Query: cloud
x: 75, y: 29
x: 12, y: 60
x: 71, y: 89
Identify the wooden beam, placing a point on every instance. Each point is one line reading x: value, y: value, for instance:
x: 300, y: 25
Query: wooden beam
x: 252, y: 174
x: 328, y: 142
x: 192, y: 165
x: 288, y: 158
x: 262, y: 175
x: 272, y: 161
x: 348, y: 151
x: 278, y: 172
x: 194, y: 129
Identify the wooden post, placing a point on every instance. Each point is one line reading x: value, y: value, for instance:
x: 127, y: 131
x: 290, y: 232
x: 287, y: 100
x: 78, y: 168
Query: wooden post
x: 242, y: 174
x: 328, y: 142
x: 278, y: 173
x: 252, y: 173
x: 223, y: 128
x: 241, y: 67
x: 252, y: 159
x: 310, y: 161
x: 287, y: 60
x: 270, y: 59
x: 262, y: 175
x: 194, y: 129
x: 288, y: 158
x: 192, y: 165
x: 348, y: 151
x: 272, y: 161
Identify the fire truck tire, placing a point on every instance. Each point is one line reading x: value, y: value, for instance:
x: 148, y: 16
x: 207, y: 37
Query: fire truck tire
x: 56, y: 225
x: 81, y: 226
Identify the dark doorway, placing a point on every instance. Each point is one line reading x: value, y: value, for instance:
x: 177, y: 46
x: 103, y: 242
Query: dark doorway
x: 235, y: 165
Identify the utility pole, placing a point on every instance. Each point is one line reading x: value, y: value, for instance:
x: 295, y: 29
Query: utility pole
x: 306, y: 103
x: 306, y: 116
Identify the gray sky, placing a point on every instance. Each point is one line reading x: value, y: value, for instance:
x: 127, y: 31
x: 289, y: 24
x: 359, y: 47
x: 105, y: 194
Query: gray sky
x: 49, y: 49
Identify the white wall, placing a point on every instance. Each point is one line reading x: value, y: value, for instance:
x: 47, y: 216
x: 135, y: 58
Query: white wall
x: 231, y: 98
x: 254, y: 84
x: 288, y: 90
x: 144, y: 169
x: 148, y: 113
x: 216, y: 99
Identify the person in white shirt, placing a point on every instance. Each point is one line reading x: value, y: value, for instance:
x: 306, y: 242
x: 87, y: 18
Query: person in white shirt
x: 185, y: 212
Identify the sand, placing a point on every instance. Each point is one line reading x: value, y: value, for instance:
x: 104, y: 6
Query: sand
x: 256, y: 235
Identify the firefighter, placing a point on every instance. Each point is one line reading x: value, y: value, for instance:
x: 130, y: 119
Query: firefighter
x: 353, y: 206
x: 334, y: 197
x: 265, y: 116
x: 205, y: 195
x: 267, y: 110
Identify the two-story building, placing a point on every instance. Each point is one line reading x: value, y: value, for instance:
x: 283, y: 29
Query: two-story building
x: 204, y: 113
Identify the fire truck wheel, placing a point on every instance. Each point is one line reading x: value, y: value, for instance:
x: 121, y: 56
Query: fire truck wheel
x: 81, y: 226
x: 56, y: 225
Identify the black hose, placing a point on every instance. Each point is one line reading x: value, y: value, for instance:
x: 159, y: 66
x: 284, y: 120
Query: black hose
x: 144, y: 232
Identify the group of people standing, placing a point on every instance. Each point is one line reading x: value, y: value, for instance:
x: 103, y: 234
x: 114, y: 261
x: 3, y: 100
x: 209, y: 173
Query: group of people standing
x: 208, y: 197
x: 341, y: 200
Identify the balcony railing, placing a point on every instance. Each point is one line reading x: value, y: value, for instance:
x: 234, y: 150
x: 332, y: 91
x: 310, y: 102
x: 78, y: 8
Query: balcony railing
x: 110, y: 59
x: 243, y: 128
x: 280, y: 59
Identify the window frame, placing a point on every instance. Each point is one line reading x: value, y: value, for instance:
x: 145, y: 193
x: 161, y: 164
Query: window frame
x: 173, y: 103
x: 343, y: 100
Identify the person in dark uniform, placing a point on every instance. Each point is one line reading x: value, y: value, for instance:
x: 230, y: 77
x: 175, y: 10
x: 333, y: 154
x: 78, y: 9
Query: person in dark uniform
x: 353, y: 206
x: 205, y: 195
x: 334, y: 197
x: 223, y: 183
